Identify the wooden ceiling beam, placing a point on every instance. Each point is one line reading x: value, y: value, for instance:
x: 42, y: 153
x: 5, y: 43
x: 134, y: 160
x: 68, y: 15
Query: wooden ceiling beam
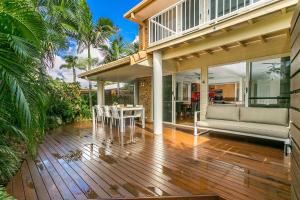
x: 241, y: 44
x: 208, y: 52
x: 197, y: 55
x: 224, y: 48
x: 250, y: 21
x: 263, y: 39
x: 225, y: 30
x: 283, y: 11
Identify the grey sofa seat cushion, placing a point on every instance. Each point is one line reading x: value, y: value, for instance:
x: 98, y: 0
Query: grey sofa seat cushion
x: 270, y: 130
x: 223, y: 113
x: 276, y: 116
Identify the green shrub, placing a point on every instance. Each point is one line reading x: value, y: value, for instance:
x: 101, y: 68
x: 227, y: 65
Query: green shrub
x: 4, y: 195
x: 9, y: 161
x: 65, y: 104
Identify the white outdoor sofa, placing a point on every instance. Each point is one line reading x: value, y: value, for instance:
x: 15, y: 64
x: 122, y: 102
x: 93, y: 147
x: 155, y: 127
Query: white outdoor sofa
x: 266, y: 123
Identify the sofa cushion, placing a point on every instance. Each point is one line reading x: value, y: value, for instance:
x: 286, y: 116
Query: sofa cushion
x: 276, y: 116
x: 223, y: 112
x: 276, y: 131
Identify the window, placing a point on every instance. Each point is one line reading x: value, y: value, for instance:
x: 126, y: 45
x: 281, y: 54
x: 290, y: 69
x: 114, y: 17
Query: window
x: 270, y: 83
x: 178, y: 91
x: 185, y: 91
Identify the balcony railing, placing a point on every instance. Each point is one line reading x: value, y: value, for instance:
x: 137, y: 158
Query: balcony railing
x: 187, y: 15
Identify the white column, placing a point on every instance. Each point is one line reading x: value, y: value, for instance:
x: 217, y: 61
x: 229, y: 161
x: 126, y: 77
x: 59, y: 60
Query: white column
x: 203, y: 91
x: 157, y: 93
x: 118, y: 89
x: 247, y: 84
x: 136, y: 93
x: 100, y: 93
x: 241, y: 90
x: 235, y: 91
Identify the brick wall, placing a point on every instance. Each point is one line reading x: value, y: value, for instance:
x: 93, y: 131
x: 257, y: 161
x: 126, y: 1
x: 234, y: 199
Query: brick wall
x: 145, y: 99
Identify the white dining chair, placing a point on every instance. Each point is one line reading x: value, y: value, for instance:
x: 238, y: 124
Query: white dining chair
x: 115, y: 118
x: 107, y: 114
x: 128, y: 113
x: 99, y: 113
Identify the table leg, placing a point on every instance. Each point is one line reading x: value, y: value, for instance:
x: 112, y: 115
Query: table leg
x: 121, y: 121
x: 94, y: 121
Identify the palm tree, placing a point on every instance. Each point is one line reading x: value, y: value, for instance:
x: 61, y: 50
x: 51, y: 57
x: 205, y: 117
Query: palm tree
x: 71, y: 63
x: 31, y: 32
x: 92, y: 35
x: 134, y: 48
x: 60, y: 17
x: 115, y: 50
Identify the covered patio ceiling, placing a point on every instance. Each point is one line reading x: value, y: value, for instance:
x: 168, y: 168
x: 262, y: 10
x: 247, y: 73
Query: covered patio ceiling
x: 123, y: 70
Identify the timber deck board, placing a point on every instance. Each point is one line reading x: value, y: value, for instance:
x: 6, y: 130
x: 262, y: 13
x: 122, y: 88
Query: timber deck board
x: 74, y: 163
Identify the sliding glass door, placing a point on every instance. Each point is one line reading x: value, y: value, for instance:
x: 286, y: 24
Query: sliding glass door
x: 270, y: 83
x: 167, y: 98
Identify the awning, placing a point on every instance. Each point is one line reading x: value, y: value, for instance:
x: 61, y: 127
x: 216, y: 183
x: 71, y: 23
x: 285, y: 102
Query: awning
x: 123, y: 70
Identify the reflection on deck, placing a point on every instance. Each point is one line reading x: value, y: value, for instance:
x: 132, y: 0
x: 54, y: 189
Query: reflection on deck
x: 74, y: 163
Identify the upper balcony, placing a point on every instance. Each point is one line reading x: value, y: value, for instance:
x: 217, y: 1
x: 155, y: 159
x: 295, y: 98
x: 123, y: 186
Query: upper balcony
x: 187, y: 16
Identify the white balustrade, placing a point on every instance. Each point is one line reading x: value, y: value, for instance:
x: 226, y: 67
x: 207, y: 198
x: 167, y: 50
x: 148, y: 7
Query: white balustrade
x: 187, y: 15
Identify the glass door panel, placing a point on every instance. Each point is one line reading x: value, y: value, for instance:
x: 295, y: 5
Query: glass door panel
x: 270, y: 83
x: 187, y: 95
x: 167, y: 98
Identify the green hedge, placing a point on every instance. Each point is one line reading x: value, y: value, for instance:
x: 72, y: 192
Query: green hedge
x: 65, y: 104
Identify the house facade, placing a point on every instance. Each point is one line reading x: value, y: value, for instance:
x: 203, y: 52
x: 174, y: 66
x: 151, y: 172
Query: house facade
x: 199, y: 52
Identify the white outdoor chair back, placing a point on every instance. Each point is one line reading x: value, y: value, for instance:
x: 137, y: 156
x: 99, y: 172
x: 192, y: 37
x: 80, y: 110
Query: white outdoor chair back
x: 115, y: 112
x: 99, y: 111
x: 138, y: 113
x: 107, y: 111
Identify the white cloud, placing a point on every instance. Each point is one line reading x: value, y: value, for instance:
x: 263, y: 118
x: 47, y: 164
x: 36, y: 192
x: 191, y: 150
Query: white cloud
x: 136, y: 39
x: 67, y: 74
x: 55, y: 71
x: 95, y: 53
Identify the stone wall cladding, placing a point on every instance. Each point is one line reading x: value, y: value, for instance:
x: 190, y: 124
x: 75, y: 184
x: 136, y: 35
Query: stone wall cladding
x: 145, y: 99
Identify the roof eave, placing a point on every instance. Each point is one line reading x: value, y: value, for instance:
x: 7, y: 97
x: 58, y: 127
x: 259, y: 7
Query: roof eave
x: 137, y: 8
x: 128, y: 60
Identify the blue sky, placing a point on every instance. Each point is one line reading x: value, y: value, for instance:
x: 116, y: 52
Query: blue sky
x: 115, y: 9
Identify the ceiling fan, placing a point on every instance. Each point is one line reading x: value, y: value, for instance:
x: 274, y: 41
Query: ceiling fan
x: 273, y: 70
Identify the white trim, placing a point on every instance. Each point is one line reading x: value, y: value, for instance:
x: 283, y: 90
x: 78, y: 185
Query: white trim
x: 208, y: 21
x: 243, y: 134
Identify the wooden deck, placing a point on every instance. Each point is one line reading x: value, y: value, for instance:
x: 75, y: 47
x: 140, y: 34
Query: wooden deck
x: 73, y: 163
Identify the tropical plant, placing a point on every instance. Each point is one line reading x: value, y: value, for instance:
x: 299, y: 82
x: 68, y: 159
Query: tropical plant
x: 92, y: 35
x: 72, y: 62
x: 22, y: 31
x: 118, y: 48
x: 60, y: 17
x: 4, y: 195
x: 115, y: 50
x: 65, y: 103
x: 31, y: 32
x: 134, y: 48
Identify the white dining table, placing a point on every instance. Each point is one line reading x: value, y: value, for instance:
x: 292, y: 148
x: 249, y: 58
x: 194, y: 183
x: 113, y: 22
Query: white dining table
x: 128, y: 109
x: 121, y: 112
